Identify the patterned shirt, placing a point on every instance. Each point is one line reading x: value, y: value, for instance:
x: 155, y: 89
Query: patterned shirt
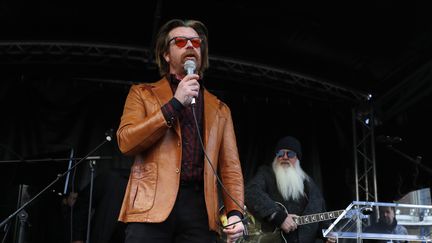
x: 192, y: 165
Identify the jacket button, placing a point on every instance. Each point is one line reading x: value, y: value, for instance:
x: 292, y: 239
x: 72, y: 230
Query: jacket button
x: 177, y: 170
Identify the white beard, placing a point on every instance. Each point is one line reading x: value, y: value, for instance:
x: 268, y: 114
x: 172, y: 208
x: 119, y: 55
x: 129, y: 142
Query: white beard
x: 289, y: 180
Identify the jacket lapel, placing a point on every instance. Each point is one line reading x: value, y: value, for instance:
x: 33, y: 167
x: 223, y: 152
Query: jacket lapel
x: 163, y: 93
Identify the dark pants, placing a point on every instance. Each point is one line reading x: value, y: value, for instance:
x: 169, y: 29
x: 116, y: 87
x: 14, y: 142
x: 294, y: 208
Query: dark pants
x: 187, y: 223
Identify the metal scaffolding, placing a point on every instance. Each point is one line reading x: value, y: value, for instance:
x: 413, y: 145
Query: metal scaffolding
x: 363, y: 122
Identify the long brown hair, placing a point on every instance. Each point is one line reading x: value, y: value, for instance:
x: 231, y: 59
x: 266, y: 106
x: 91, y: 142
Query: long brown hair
x: 162, y: 44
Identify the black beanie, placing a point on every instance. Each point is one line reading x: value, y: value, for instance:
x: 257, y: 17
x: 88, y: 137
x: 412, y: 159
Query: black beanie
x: 290, y: 143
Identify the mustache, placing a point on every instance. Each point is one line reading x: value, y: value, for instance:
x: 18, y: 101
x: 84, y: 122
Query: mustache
x: 190, y: 53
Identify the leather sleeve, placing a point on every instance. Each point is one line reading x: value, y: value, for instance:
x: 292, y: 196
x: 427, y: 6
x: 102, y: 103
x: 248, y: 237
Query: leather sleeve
x: 142, y: 123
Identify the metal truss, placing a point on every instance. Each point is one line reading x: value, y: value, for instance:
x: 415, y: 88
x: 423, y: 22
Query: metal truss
x: 71, y: 53
x: 406, y: 93
x: 283, y: 79
x: 130, y: 57
x: 363, y: 122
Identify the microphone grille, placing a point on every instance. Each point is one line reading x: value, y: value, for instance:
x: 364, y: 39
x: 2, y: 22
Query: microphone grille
x: 189, y: 64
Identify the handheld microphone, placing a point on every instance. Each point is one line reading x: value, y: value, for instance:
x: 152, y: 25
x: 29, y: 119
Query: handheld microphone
x: 189, y: 67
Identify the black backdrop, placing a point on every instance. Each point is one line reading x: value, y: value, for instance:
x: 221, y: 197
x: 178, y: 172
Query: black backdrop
x: 45, y: 116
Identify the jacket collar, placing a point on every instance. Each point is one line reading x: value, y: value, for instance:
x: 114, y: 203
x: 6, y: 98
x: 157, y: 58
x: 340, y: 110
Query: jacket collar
x: 163, y: 91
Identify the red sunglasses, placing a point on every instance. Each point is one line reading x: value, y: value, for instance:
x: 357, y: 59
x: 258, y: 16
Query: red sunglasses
x: 181, y: 41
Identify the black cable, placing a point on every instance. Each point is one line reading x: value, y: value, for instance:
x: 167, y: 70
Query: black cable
x: 215, y: 173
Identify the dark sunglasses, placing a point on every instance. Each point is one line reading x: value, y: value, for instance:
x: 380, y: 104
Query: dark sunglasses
x: 181, y: 41
x: 290, y: 154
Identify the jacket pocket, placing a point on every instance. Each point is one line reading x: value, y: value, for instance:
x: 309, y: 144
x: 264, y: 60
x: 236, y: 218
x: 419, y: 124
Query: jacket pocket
x: 144, y: 177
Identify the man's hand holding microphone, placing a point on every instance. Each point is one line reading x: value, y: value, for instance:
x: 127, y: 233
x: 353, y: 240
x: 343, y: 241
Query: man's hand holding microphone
x: 188, y: 88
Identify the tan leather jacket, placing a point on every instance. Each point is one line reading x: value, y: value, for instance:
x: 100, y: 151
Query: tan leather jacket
x: 155, y: 175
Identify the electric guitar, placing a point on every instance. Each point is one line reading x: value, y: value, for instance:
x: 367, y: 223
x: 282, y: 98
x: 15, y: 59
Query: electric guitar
x: 313, y: 218
x: 308, y: 219
x: 259, y: 232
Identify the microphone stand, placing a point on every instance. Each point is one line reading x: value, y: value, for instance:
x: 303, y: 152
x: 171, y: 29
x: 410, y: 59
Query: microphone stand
x: 23, y: 216
x: 92, y: 169
x: 416, y: 161
x: 107, y: 139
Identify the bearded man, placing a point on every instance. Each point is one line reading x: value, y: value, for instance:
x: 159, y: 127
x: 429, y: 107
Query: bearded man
x: 285, y: 183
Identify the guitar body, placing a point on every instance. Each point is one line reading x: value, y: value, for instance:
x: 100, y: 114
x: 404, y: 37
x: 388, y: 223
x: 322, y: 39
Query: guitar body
x: 262, y: 232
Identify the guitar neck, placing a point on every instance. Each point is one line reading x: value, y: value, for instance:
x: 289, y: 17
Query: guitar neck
x: 313, y: 218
